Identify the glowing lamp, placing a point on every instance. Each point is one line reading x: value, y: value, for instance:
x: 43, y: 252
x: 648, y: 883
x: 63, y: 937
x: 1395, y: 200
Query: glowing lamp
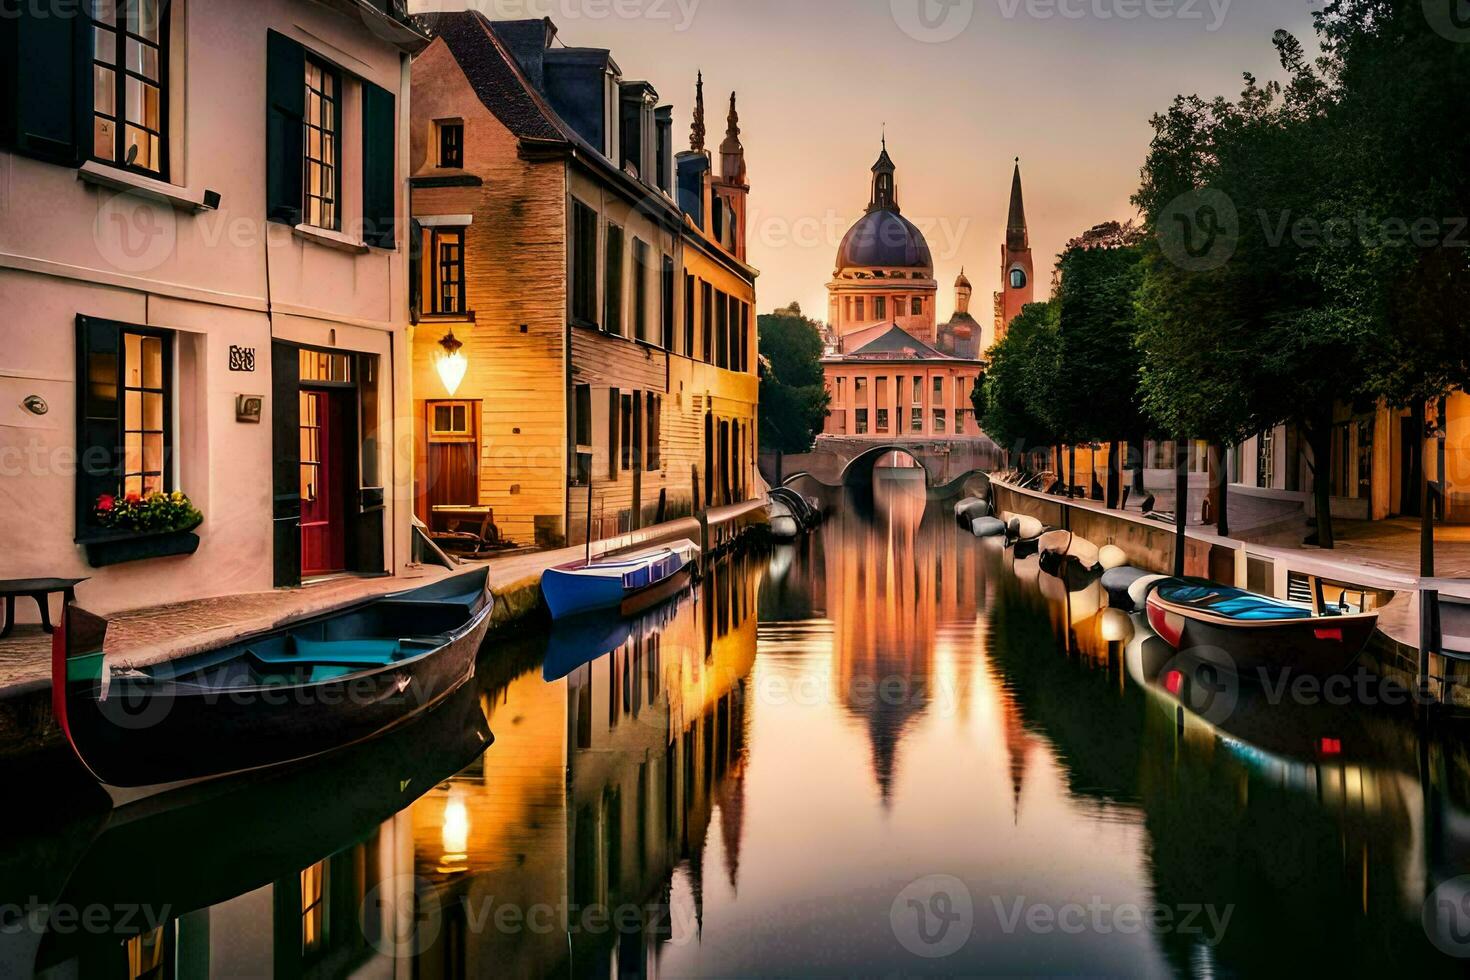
x: 451, y: 363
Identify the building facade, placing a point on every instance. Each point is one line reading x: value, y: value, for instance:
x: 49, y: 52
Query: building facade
x: 583, y: 344
x: 887, y: 376
x: 208, y: 244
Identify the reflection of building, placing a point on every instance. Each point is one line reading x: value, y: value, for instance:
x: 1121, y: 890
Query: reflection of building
x: 597, y: 284
x: 599, y: 793
x: 208, y: 243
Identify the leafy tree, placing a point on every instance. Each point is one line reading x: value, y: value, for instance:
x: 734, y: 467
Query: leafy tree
x: 1011, y: 400
x: 793, y: 397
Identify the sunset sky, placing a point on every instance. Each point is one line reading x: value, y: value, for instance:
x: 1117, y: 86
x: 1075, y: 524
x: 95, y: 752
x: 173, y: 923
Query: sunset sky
x: 964, y: 86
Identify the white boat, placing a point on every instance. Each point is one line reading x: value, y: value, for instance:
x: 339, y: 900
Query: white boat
x: 618, y: 583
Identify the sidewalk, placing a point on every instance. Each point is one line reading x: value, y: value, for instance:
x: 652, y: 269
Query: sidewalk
x: 159, y: 633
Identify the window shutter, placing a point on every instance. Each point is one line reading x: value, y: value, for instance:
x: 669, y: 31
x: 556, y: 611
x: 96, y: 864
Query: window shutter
x: 379, y: 154
x: 52, y: 66
x: 286, y: 469
x: 99, y: 385
x: 285, y: 121
x: 415, y: 268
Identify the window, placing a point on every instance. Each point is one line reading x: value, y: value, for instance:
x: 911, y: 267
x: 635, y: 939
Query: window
x: 688, y: 315
x: 1266, y: 459
x: 129, y: 65
x: 151, y: 954
x: 1018, y: 278
x: 324, y: 367
x: 900, y: 383
x: 707, y: 305
x: 722, y: 330
x: 860, y: 390
x: 447, y: 287
x: 938, y: 400
x: 862, y: 421
x: 450, y: 419
x: 916, y: 419
x: 842, y: 391
x: 653, y: 423
x: 918, y: 391
x: 880, y: 307
x: 666, y: 303
x: 311, y: 446
x: 859, y: 307
x: 612, y: 307
x: 745, y: 337
x: 614, y: 431
x: 938, y: 420
x: 959, y: 420
x: 323, y: 156
x: 918, y: 306
x: 626, y: 433
x: 145, y: 414
x: 882, y: 420
x: 640, y: 289
x: 584, y: 265
x: 314, y: 907
x: 451, y: 144
x: 582, y: 426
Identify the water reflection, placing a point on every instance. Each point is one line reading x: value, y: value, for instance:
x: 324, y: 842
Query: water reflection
x: 760, y: 778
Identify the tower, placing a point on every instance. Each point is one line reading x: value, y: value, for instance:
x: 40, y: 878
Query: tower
x: 885, y: 189
x: 962, y: 293
x: 732, y: 188
x: 696, y: 131
x: 1016, y: 272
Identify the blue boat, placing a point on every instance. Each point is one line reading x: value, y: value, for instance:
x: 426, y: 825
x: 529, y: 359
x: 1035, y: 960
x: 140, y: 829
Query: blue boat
x: 628, y: 583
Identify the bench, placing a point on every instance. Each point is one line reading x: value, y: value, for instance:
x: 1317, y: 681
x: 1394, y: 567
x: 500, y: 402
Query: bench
x: 39, y: 589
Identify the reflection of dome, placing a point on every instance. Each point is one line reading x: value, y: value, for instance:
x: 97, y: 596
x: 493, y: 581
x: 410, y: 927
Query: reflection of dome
x: 884, y: 240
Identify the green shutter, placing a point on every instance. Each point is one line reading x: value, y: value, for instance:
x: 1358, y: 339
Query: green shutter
x: 285, y: 121
x: 99, y: 425
x: 379, y: 153
x: 50, y: 118
x: 286, y: 463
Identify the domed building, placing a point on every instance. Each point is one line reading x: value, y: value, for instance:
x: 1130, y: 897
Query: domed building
x: 890, y: 376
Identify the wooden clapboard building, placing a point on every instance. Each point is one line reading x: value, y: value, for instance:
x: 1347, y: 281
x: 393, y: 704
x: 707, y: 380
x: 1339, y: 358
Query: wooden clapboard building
x: 582, y: 345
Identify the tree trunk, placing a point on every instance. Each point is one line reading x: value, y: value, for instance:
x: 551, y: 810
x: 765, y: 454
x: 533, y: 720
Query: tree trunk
x: 1226, y: 452
x: 780, y: 464
x: 1113, y: 475
x: 1426, y: 504
x: 1319, y: 437
x: 1181, y: 502
x: 1071, y: 471
x: 1136, y: 449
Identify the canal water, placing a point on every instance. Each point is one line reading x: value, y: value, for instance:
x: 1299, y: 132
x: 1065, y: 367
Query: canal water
x: 888, y: 750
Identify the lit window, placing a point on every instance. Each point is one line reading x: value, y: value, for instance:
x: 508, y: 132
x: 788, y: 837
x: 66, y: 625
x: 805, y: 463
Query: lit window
x: 323, y: 154
x: 145, y: 399
x: 129, y: 48
x: 313, y: 907
x: 446, y: 288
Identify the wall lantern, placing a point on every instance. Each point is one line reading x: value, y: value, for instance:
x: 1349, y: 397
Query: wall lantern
x: 451, y: 363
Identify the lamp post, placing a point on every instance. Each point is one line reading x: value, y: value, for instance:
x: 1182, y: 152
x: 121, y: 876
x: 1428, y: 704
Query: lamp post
x: 451, y: 363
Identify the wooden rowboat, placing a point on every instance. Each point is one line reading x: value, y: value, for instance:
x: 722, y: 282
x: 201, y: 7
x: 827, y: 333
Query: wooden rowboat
x: 299, y: 691
x: 1254, y: 635
x: 582, y: 587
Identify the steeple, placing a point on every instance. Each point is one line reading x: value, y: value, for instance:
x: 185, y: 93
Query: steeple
x: 885, y: 189
x: 732, y: 153
x: 696, y: 132
x: 1017, y: 238
x: 962, y: 292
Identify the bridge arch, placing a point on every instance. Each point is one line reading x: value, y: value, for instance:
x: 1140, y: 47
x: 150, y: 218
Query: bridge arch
x: 859, y: 469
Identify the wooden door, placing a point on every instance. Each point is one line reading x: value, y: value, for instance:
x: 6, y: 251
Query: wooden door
x: 323, y: 538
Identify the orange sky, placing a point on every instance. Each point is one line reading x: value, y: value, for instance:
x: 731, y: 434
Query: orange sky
x: 964, y: 87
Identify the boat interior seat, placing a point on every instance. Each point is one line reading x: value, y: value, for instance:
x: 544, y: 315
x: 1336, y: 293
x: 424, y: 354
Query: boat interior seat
x: 348, y: 655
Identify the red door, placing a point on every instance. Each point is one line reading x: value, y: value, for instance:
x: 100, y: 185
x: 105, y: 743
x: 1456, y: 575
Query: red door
x: 323, y: 538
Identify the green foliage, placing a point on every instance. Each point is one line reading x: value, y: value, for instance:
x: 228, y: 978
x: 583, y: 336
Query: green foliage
x: 1012, y: 403
x: 793, y: 396
x: 155, y: 513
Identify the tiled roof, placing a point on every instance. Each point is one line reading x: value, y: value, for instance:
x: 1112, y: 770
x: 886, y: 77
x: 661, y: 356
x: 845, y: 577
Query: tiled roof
x: 492, y: 73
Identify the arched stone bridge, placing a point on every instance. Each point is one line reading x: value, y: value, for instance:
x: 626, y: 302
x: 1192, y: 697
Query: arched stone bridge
x: 850, y: 462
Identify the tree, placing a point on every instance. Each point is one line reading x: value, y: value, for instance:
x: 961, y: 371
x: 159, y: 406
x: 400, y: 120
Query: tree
x: 1021, y: 371
x: 793, y: 396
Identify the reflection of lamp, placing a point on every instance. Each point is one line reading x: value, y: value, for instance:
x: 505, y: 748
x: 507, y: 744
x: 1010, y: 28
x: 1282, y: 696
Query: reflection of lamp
x: 451, y: 363
x: 455, y: 835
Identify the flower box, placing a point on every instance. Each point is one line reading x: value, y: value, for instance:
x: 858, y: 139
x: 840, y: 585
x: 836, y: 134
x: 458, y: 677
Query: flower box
x: 116, y: 547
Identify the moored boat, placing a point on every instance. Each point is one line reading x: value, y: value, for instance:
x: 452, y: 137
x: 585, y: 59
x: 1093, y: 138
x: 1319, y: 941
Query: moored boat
x: 1251, y: 634
x: 295, y: 692
x: 581, y: 587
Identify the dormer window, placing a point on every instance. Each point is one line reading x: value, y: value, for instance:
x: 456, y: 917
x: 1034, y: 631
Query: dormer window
x: 451, y: 144
x: 1018, y: 278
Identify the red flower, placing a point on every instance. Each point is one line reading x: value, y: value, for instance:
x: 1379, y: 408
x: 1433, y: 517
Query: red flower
x: 105, y: 502
x: 133, y: 498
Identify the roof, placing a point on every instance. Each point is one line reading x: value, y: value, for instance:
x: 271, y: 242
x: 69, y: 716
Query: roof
x: 890, y: 342
x: 491, y: 73
x: 884, y: 239
x: 1017, y: 239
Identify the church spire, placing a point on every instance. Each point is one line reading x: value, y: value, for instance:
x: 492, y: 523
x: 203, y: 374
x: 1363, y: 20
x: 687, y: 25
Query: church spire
x: 732, y: 153
x: 885, y: 188
x: 696, y: 132
x: 1017, y: 238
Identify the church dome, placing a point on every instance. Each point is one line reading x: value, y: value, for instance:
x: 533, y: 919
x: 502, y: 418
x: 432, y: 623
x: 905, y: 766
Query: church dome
x: 884, y: 239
